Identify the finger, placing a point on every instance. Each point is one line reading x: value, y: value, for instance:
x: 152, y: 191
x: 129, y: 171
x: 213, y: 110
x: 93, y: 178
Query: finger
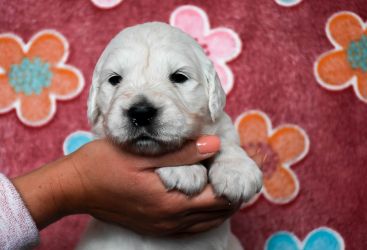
x: 188, y: 224
x: 203, y: 226
x: 193, y: 219
x: 191, y: 152
x: 206, y: 201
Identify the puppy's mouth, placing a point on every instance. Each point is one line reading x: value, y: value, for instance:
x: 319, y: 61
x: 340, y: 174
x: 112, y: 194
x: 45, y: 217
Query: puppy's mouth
x: 143, y: 139
x: 147, y: 144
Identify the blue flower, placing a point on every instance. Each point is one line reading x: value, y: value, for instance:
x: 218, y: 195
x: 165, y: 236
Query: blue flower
x: 322, y: 238
x: 76, y: 140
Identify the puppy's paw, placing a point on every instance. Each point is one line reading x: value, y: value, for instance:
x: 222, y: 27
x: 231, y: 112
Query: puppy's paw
x: 189, y: 179
x: 236, y: 180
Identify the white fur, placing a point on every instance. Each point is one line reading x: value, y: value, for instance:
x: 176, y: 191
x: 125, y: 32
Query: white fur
x: 145, y: 55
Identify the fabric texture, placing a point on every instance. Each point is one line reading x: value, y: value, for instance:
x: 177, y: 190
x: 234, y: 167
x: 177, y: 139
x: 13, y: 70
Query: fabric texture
x: 17, y: 228
x: 295, y: 75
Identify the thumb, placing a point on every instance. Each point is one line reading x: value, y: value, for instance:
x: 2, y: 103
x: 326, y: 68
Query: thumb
x: 192, y: 152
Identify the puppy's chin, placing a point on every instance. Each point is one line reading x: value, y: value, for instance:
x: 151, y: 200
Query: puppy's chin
x: 145, y: 145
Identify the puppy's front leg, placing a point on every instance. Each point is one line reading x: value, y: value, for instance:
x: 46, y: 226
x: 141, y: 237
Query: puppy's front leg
x: 190, y: 179
x: 235, y: 175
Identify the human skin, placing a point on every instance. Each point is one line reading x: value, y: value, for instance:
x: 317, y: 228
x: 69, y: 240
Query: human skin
x: 119, y: 187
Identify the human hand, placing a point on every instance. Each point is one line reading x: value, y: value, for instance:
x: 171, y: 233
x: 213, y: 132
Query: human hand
x: 119, y: 187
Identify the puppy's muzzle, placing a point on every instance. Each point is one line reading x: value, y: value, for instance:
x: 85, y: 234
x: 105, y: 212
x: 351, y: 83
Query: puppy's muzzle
x: 142, y: 114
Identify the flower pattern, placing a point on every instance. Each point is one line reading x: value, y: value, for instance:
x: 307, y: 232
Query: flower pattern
x: 34, y: 75
x: 220, y: 44
x: 322, y: 238
x: 106, y: 4
x: 76, y: 140
x: 346, y: 65
x: 274, y: 151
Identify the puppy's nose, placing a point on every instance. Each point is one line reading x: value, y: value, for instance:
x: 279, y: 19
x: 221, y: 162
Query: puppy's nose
x: 142, y: 114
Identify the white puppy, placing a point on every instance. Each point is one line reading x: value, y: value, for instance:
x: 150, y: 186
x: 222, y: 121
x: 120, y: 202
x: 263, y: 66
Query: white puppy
x: 153, y: 89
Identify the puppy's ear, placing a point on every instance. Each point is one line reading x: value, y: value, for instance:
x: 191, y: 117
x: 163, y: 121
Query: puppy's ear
x: 215, y: 92
x: 93, y: 110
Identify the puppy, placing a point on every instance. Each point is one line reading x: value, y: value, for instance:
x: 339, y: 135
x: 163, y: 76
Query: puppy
x: 153, y: 89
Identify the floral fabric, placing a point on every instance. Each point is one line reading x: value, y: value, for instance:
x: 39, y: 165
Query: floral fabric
x: 295, y: 75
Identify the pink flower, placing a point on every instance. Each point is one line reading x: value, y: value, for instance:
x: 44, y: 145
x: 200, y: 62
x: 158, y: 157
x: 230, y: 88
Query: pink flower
x: 106, y: 4
x: 220, y: 44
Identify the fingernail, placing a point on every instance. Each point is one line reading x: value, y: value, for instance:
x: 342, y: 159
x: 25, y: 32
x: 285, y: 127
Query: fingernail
x: 208, y: 144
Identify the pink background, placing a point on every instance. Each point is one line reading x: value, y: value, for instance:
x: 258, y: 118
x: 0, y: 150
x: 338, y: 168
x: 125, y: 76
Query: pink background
x: 273, y: 73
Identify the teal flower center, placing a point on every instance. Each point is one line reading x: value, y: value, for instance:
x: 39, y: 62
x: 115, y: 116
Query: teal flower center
x: 30, y: 76
x: 357, y: 54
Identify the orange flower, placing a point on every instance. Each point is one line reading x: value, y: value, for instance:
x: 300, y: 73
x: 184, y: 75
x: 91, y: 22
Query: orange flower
x: 34, y: 75
x: 274, y: 151
x: 346, y: 65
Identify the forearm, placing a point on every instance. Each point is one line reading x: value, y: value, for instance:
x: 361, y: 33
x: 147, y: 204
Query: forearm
x: 46, y: 191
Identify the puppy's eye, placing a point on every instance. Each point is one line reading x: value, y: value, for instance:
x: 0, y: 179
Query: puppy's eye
x: 178, y: 77
x: 114, y: 80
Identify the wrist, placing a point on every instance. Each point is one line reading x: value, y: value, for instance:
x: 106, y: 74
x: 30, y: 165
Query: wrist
x: 46, y: 193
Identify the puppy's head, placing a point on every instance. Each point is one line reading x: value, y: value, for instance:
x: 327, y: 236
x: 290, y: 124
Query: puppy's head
x: 153, y: 88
